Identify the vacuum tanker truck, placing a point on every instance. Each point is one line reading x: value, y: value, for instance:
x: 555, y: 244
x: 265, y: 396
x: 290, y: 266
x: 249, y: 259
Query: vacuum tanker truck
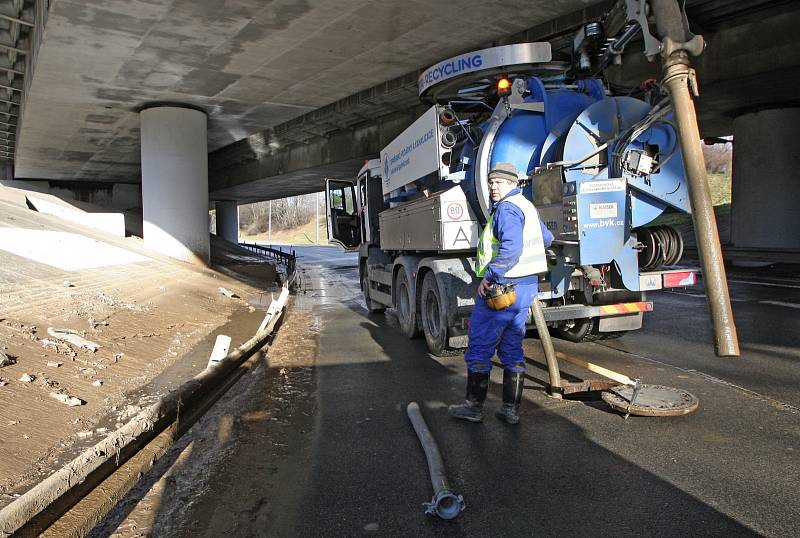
x: 600, y: 169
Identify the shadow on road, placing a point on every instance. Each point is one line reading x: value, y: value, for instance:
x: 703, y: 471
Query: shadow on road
x: 545, y: 477
x: 363, y: 471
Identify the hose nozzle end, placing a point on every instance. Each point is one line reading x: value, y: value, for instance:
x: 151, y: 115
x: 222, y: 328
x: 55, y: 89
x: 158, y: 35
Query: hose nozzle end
x: 445, y: 504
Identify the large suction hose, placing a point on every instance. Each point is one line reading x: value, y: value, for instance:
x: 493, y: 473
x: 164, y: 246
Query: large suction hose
x: 445, y: 503
x: 549, y: 350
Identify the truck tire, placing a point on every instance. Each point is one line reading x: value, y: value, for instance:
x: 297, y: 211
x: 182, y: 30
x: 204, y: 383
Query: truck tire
x: 584, y: 330
x: 373, y: 307
x: 406, y: 306
x: 433, y: 314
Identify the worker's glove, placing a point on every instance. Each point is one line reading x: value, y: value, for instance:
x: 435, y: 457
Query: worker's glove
x: 500, y: 296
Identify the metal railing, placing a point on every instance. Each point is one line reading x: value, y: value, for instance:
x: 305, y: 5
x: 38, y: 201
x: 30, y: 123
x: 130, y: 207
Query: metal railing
x: 288, y: 258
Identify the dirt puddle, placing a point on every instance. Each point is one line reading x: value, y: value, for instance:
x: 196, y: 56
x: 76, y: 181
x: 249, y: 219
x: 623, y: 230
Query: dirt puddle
x: 230, y: 472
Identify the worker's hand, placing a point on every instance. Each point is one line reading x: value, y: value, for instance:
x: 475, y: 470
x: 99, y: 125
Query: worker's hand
x: 483, y: 287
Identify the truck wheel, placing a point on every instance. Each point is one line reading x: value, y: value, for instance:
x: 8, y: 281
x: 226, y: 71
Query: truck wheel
x: 584, y: 330
x: 373, y: 307
x: 406, y: 306
x: 433, y: 311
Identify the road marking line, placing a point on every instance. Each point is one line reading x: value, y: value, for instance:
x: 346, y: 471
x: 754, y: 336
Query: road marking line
x: 771, y: 401
x: 702, y: 296
x: 699, y: 296
x: 771, y: 284
x: 780, y: 303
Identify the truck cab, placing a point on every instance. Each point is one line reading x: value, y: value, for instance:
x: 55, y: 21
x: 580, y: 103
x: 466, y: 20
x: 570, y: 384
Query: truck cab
x: 352, y: 216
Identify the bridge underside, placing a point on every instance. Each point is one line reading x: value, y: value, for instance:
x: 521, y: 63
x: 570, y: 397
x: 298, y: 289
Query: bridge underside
x: 292, y: 94
x: 747, y: 78
x: 752, y: 63
x: 249, y: 66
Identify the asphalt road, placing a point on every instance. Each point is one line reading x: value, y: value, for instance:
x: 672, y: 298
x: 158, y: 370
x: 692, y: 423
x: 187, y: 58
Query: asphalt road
x: 571, y: 467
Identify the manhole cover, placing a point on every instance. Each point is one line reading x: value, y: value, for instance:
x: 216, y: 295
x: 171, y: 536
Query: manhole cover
x: 652, y: 401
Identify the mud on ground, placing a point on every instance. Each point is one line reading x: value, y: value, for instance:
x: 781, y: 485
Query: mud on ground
x: 258, y: 432
x: 143, y: 316
x: 140, y: 332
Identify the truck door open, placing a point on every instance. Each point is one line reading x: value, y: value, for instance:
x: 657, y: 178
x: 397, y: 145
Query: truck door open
x: 344, y: 228
x: 361, y: 199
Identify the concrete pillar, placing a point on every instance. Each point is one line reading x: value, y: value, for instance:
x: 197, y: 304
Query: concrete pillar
x: 228, y: 221
x: 765, y: 191
x: 6, y: 170
x: 126, y: 196
x: 175, y: 182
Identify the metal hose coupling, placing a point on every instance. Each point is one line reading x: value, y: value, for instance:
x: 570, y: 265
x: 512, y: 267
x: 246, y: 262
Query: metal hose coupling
x: 444, y: 503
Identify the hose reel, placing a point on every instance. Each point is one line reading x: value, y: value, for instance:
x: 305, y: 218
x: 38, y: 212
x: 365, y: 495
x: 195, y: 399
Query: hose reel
x: 660, y: 245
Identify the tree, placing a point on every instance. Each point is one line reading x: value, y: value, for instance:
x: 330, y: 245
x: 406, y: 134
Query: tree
x: 287, y: 213
x: 718, y: 157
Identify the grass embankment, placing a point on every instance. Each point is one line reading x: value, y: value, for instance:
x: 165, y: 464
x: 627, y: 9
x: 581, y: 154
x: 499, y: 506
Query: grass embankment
x: 303, y: 235
x: 720, y: 185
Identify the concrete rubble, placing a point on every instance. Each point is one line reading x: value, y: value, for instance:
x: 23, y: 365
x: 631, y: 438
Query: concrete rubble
x: 72, y: 337
x: 5, y: 360
x: 71, y: 401
x: 228, y: 293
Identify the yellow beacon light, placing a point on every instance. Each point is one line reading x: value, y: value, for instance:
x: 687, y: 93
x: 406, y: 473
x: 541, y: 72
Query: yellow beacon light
x: 503, y: 87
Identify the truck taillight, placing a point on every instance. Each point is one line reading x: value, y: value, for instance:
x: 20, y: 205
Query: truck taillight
x: 680, y: 279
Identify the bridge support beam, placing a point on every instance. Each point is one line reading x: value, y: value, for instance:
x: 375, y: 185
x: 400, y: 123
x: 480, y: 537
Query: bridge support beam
x: 175, y: 182
x: 228, y: 221
x: 766, y: 180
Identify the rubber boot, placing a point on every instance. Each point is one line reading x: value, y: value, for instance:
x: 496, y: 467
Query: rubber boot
x: 512, y: 394
x: 472, y: 408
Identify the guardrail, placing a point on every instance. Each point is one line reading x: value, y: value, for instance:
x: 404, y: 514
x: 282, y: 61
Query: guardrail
x: 288, y: 258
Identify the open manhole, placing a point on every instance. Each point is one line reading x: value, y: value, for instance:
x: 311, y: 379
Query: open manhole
x: 652, y: 401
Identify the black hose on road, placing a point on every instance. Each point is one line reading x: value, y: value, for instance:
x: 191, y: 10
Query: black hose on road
x: 445, y: 503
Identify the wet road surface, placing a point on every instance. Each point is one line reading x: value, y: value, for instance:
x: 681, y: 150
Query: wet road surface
x: 350, y: 463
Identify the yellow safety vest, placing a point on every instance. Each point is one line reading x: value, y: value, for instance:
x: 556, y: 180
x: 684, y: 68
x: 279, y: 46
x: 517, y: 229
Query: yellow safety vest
x: 532, y: 260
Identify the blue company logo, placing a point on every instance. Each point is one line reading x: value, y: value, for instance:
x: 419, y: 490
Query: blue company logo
x: 450, y: 68
x: 386, y: 169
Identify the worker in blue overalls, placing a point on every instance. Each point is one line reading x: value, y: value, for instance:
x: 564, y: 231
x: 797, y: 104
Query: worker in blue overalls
x: 511, y: 250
